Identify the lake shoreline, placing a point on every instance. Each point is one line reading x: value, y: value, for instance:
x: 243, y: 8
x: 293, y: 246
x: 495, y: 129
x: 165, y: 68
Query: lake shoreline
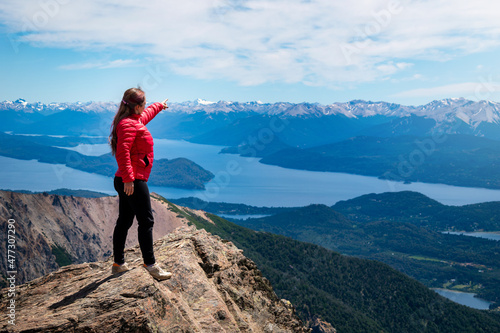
x: 491, y: 235
x: 237, y: 180
x: 463, y: 298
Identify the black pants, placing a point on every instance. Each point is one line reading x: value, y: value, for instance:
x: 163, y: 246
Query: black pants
x: 138, y: 204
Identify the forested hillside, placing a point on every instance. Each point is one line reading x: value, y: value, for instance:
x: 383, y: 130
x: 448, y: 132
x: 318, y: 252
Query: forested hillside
x: 355, y: 295
x: 402, y: 229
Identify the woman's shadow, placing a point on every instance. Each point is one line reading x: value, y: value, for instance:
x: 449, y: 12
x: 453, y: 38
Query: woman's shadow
x: 82, y: 293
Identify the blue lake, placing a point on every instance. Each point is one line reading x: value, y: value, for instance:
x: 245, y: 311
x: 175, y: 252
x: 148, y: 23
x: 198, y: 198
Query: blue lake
x: 487, y: 235
x: 243, y: 217
x: 464, y: 298
x: 237, y: 180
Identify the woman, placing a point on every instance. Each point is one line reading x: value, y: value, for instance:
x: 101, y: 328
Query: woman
x: 132, y: 145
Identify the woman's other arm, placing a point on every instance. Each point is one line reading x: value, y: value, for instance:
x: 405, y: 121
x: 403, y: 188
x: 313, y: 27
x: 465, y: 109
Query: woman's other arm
x: 126, y: 136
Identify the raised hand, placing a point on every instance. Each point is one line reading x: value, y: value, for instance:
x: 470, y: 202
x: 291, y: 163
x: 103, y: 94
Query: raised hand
x: 164, y: 103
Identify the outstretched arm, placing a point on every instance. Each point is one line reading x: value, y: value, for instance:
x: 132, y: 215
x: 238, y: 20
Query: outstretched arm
x: 151, y: 111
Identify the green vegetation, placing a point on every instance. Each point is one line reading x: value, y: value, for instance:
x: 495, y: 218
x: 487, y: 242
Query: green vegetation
x: 179, y: 172
x: 460, y: 160
x: 355, y: 295
x: 66, y: 192
x: 3, y: 281
x: 429, y: 256
x: 417, y: 209
x: 424, y: 258
x: 229, y: 208
x: 63, y: 258
x: 402, y: 229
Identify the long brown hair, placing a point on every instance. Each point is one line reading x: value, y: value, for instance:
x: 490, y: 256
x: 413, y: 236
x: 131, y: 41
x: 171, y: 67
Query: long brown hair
x: 131, y: 98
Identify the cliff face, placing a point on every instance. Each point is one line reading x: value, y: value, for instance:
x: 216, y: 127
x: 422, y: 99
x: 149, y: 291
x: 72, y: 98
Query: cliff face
x: 81, y: 228
x: 214, y: 288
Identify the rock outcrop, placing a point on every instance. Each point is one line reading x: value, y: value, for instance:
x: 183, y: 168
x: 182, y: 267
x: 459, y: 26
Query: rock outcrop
x: 214, y: 288
x: 81, y: 228
x: 320, y: 326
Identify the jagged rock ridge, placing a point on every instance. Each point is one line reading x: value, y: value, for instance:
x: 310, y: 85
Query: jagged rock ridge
x: 214, y: 288
x: 81, y: 227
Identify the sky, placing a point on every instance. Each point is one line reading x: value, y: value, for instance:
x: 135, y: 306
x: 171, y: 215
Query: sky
x: 324, y: 51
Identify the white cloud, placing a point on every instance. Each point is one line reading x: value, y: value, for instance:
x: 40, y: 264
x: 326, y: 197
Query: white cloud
x: 391, y: 67
x: 451, y: 90
x: 101, y: 64
x: 471, y: 90
x: 319, y: 42
x: 120, y: 63
x: 80, y: 66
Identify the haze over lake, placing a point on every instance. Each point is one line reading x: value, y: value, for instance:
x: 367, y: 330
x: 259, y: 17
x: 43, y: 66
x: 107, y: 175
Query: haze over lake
x: 237, y: 180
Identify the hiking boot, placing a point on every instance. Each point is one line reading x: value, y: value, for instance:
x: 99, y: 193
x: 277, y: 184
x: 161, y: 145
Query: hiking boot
x: 157, y: 272
x: 119, y: 268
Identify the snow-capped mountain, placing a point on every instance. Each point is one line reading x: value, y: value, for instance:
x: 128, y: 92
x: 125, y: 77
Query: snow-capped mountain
x: 21, y: 105
x: 470, y: 112
x: 442, y: 111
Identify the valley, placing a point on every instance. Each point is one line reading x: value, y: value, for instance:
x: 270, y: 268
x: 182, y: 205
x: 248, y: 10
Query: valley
x: 402, y: 229
x: 353, y: 294
x: 344, y: 224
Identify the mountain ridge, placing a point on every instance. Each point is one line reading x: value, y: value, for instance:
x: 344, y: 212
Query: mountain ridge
x: 485, y: 110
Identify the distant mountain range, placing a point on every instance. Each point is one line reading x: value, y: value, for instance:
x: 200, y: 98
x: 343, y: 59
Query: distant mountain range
x: 451, y: 141
x: 455, y: 115
x: 471, y: 112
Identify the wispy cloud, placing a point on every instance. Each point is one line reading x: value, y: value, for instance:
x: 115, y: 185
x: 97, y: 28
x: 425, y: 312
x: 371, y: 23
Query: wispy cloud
x: 319, y: 42
x: 101, y: 64
x: 471, y: 90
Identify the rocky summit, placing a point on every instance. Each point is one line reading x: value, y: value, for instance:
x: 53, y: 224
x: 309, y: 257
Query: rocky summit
x: 214, y: 288
x: 81, y: 228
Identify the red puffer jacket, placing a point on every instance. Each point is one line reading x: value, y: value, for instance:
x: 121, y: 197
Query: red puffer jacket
x: 134, y: 147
